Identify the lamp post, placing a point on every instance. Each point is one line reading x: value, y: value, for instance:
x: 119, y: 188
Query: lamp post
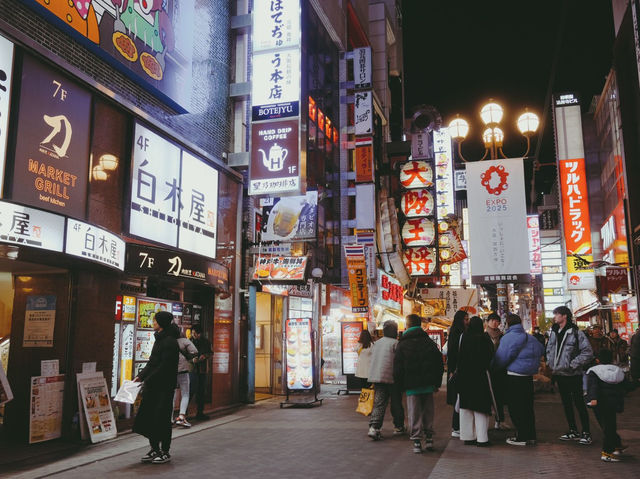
x: 493, y: 138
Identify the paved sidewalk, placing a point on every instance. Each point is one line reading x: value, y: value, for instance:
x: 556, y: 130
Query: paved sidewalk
x: 330, y: 441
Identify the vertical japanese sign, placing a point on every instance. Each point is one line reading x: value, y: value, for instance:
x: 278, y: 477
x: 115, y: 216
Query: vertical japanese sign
x: 6, y: 73
x: 174, y: 195
x: 420, y: 145
x: 363, y: 113
x: 94, y: 244
x: 362, y: 67
x: 390, y: 291
x: 350, y: 334
x: 276, y: 24
x: 535, y: 255
x: 357, y: 269
x: 364, y: 159
x: 222, y: 347
x: 39, y: 322
x: 299, y: 354
x: 573, y: 190
x: 497, y: 221
x: 368, y: 240
x: 51, y: 168
x: 445, y: 196
x: 276, y: 84
x: 45, y: 412
x: 126, y: 352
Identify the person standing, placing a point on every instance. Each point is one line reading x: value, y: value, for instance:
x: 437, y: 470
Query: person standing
x: 364, y: 357
x: 597, y: 340
x: 568, y: 352
x: 458, y: 326
x: 381, y: 375
x: 473, y: 384
x: 498, y: 375
x: 198, y: 376
x: 634, y: 353
x: 519, y: 354
x: 417, y: 370
x: 606, y: 396
x: 187, y: 353
x: 158, y: 383
x: 618, y: 348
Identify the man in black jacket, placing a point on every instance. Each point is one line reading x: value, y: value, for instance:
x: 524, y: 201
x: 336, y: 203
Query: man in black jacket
x: 418, y: 369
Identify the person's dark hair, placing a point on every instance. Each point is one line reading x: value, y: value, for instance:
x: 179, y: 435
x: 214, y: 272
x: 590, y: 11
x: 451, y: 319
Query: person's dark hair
x: 476, y: 326
x: 495, y: 316
x: 512, y: 319
x: 196, y: 328
x: 365, y: 338
x: 390, y: 329
x: 413, y: 320
x: 605, y: 356
x: 563, y: 310
x: 457, y: 326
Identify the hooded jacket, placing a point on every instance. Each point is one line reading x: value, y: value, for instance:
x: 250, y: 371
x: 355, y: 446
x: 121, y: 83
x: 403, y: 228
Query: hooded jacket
x: 604, y: 384
x: 519, y: 352
x: 569, y: 355
x: 418, y: 361
x: 187, y: 352
x: 381, y: 365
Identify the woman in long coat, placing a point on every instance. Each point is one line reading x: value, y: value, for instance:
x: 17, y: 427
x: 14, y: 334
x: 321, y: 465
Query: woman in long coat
x: 159, y: 382
x: 458, y: 326
x: 474, y: 357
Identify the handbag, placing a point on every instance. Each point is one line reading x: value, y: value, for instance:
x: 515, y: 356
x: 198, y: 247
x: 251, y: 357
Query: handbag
x: 365, y: 401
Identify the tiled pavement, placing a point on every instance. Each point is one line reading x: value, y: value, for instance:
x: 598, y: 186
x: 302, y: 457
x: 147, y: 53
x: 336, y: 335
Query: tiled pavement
x: 330, y: 441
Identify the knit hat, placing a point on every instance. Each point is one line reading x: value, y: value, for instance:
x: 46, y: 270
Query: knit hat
x: 164, y: 319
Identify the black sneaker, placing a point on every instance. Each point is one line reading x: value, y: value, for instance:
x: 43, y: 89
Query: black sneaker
x: 570, y: 436
x: 585, y: 440
x: 417, y: 446
x: 428, y: 444
x: 161, y: 458
x: 150, y: 456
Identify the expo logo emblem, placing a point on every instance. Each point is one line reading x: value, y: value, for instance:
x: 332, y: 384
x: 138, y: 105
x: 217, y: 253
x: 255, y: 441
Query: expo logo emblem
x: 494, y: 179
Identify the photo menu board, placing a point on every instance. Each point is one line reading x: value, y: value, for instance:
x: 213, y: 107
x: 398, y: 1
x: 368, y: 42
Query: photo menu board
x: 350, y: 335
x: 299, y: 354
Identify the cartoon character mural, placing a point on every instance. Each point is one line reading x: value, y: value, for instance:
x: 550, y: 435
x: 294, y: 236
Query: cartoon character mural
x: 137, y: 33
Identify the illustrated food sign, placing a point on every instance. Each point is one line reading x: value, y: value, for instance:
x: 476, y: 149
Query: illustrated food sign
x: 275, y: 159
x: 6, y: 73
x: 416, y: 174
x: 573, y: 190
x: 358, y: 284
x: 52, y: 148
x: 95, y: 244
x: 299, y: 354
x: 280, y: 268
x: 390, y: 291
x: 535, y: 254
x: 291, y: 218
x: 444, y: 173
x: 174, y: 195
x: 350, y: 345
x: 419, y: 261
x: 148, y: 40
x: 28, y: 227
x: 275, y: 89
x: 497, y: 221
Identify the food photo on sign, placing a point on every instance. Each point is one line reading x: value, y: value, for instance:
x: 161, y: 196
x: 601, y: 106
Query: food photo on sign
x: 299, y: 354
x: 291, y: 218
x: 290, y: 268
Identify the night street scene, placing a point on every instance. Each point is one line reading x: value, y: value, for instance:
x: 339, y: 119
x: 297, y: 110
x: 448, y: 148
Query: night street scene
x: 320, y: 239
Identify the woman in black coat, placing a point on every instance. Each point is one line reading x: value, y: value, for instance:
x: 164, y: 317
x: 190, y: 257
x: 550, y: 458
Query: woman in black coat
x: 474, y: 358
x: 159, y: 382
x: 459, y: 324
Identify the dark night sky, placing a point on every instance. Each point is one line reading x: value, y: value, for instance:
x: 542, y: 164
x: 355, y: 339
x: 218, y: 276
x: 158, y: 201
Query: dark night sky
x: 458, y: 54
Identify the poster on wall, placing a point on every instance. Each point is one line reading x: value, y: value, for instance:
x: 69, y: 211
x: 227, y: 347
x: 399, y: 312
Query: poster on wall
x: 51, y: 167
x: 97, y: 408
x: 350, y: 334
x: 299, y: 354
x: 144, y: 345
x: 29, y: 227
x: 498, y: 235
x: 128, y: 308
x: 45, y: 412
x: 147, y: 310
x: 149, y: 41
x: 292, y: 218
x: 39, y: 321
x: 6, y: 67
x: 221, y: 347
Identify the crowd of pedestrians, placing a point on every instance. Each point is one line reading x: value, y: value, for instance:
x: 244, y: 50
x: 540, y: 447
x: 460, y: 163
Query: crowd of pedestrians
x: 488, y: 369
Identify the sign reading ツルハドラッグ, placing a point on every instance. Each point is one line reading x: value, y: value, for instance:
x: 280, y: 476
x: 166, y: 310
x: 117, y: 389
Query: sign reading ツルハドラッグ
x: 52, y: 147
x: 151, y: 41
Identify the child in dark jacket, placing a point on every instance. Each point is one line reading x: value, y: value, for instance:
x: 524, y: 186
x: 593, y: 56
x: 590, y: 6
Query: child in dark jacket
x: 605, y: 396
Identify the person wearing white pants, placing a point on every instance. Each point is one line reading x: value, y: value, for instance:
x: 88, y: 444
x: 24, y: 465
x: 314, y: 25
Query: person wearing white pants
x: 474, y: 426
x: 187, y: 352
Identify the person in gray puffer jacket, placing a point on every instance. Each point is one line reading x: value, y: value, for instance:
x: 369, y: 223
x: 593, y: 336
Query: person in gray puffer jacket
x: 568, y: 352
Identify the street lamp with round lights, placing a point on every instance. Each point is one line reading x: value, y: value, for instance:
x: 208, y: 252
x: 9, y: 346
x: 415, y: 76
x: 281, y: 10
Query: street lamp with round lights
x: 491, y: 114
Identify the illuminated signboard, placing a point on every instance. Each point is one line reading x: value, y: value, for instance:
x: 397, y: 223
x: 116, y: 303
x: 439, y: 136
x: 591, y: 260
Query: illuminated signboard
x: 95, y: 244
x: 445, y: 195
x: 416, y: 174
x: 535, y: 255
x: 419, y: 261
x: 390, y: 291
x: 415, y: 203
x: 418, y: 232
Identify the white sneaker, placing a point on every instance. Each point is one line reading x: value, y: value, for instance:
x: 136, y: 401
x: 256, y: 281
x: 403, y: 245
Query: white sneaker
x: 455, y: 433
x: 374, y: 433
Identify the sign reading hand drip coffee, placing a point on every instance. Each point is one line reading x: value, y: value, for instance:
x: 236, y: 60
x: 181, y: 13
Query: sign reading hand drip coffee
x: 52, y: 148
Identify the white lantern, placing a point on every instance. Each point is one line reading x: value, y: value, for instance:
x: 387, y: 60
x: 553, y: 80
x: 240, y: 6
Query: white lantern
x: 418, y: 232
x: 416, y: 174
x: 419, y: 261
x: 416, y: 203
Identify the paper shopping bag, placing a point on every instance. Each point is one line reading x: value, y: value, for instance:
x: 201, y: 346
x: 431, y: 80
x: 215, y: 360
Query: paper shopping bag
x: 365, y: 401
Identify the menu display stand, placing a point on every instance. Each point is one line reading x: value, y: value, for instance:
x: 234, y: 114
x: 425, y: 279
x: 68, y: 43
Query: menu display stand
x: 349, y: 335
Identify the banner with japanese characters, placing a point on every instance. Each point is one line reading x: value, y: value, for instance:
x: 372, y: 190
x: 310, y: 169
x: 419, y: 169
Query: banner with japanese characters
x: 275, y: 89
x: 362, y: 67
x: 452, y: 300
x: 443, y: 154
x: 95, y: 244
x: 498, y: 221
x: 276, y: 25
x: 358, y: 284
x: 25, y: 226
x: 292, y: 218
x: 535, y: 255
x: 364, y: 159
x: 390, y: 291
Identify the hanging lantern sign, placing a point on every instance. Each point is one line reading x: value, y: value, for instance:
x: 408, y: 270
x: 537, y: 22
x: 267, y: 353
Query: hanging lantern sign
x: 418, y: 232
x: 419, y: 261
x: 416, y: 203
x: 416, y: 174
